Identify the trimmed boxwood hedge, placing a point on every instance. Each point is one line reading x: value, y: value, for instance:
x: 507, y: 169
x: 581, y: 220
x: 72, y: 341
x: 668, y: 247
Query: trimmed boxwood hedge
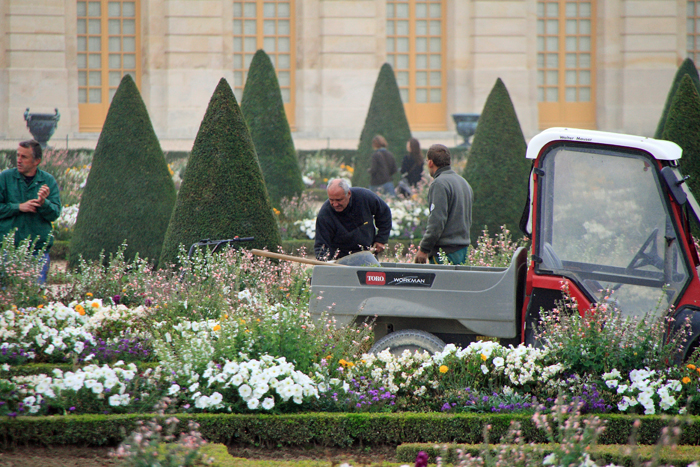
x: 686, y: 68
x: 223, y: 194
x: 264, y: 113
x: 129, y: 194
x: 325, y: 429
x: 497, y: 169
x: 386, y: 116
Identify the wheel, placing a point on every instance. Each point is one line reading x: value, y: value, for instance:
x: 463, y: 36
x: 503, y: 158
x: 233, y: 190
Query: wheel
x: 411, y: 339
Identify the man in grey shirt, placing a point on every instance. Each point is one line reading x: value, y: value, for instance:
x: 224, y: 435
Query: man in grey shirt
x: 450, y: 218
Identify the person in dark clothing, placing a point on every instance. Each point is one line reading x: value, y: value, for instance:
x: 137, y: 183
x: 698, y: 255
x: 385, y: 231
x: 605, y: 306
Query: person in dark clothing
x: 412, y: 165
x: 382, y: 167
x: 351, y: 220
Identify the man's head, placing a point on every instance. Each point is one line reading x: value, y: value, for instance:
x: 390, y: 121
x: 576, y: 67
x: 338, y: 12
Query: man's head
x: 379, y: 142
x: 28, y: 157
x: 339, y: 194
x: 438, y: 156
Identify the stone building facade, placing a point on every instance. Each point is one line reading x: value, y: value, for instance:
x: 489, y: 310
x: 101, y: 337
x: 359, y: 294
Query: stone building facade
x: 605, y: 64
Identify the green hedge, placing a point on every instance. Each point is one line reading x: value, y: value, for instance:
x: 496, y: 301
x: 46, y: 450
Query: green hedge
x: 614, y: 453
x: 324, y: 429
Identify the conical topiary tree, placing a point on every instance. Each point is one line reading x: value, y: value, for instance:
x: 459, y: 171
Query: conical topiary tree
x: 386, y: 117
x: 263, y: 110
x: 222, y: 194
x: 129, y: 194
x: 686, y: 68
x: 497, y: 169
x: 683, y: 128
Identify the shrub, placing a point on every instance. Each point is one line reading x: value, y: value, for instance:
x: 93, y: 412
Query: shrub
x: 222, y: 193
x: 386, y: 117
x: 497, y: 169
x: 129, y: 194
x: 263, y: 110
x: 686, y: 68
x: 683, y: 127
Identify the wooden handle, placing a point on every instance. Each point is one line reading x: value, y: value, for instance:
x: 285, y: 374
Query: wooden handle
x: 270, y: 254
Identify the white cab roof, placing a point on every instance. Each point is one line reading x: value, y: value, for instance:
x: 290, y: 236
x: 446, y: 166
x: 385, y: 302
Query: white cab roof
x: 660, y: 149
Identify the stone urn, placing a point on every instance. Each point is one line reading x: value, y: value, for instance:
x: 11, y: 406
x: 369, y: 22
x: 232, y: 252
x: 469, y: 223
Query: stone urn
x: 466, y: 126
x: 42, y: 126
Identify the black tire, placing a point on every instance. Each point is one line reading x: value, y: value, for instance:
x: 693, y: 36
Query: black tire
x: 411, y: 339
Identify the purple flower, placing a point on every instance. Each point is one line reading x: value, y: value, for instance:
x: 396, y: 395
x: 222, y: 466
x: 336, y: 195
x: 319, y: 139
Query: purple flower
x: 116, y: 299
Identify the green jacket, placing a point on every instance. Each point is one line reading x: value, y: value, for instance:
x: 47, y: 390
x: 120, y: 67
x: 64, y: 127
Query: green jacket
x: 14, y: 191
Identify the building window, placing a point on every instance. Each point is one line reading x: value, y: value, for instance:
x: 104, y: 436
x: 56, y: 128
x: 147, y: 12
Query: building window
x: 565, y: 63
x: 693, y: 30
x: 415, y: 46
x: 267, y: 25
x: 108, y: 48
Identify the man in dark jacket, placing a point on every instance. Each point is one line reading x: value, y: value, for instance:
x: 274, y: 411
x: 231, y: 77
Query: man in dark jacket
x: 450, y: 203
x: 29, y: 201
x: 352, y: 220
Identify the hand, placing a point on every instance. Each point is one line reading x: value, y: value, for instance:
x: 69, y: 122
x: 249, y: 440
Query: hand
x: 29, y: 206
x: 43, y: 194
x: 378, y: 247
x: 421, y: 258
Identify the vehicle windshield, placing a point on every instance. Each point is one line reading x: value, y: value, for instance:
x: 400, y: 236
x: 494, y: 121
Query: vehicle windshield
x: 605, y: 224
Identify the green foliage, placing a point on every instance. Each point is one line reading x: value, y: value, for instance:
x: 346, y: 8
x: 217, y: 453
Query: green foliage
x: 129, y: 194
x: 683, y: 128
x: 686, y: 68
x: 386, y: 117
x: 222, y: 194
x: 324, y: 429
x: 497, y: 169
x: 19, y: 269
x: 264, y: 113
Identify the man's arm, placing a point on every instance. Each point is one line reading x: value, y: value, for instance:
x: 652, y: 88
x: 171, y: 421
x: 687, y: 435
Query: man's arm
x: 50, y: 209
x: 8, y: 209
x: 382, y: 220
x: 322, y: 239
x: 438, y: 204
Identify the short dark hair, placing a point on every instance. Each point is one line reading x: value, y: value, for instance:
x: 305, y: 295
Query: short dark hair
x: 440, y: 155
x: 35, y: 147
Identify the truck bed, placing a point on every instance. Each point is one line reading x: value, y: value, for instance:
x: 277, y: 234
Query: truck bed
x: 435, y: 298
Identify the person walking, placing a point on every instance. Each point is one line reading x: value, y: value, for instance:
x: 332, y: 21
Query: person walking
x: 382, y: 167
x: 450, y: 203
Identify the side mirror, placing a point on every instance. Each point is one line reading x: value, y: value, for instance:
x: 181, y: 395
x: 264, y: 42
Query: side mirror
x: 674, y: 185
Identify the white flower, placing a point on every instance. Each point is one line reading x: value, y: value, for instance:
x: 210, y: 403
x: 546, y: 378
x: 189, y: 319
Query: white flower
x: 498, y: 362
x: 268, y: 403
x: 193, y: 387
x: 174, y: 389
x: 253, y: 403
x: 484, y: 369
x: 245, y: 391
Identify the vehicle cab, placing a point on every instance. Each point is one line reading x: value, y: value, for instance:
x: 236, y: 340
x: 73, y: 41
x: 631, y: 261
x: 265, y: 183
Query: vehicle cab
x: 609, y: 215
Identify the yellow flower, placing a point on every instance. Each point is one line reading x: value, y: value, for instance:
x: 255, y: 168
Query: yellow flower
x: 691, y: 367
x: 325, y: 179
x: 686, y: 380
x: 225, y: 316
x: 443, y: 369
x: 95, y: 305
x: 89, y: 294
x: 276, y: 211
x: 80, y: 310
x: 242, y: 321
x: 217, y: 328
x: 484, y: 357
x: 349, y: 169
x: 40, y: 306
